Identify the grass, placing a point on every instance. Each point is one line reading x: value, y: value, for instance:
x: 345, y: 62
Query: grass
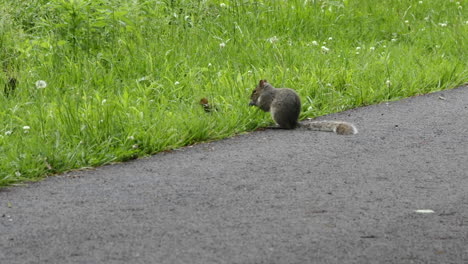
x: 124, y: 78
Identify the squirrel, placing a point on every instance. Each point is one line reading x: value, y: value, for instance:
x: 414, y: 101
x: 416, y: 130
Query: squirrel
x: 285, y: 107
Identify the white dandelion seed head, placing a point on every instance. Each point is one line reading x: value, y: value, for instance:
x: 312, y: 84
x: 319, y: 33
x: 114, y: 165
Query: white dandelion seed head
x: 41, y: 84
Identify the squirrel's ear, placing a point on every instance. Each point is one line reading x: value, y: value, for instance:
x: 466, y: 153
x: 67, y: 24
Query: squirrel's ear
x: 262, y: 83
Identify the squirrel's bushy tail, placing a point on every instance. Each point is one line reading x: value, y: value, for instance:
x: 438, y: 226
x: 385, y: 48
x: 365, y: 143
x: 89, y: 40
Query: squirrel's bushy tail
x: 339, y: 127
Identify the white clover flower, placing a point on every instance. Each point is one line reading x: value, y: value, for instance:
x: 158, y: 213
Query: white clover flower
x: 104, y: 101
x: 176, y: 83
x: 223, y: 5
x: 406, y: 21
x: 222, y: 45
x: 372, y: 48
x: 443, y: 24
x: 358, y: 48
x: 315, y: 43
x: 330, y: 38
x: 26, y: 127
x: 324, y: 43
x: 131, y: 138
x: 41, y: 84
x: 325, y: 49
x: 388, y: 83
x: 17, y: 173
x: 209, y: 64
x: 272, y: 39
x: 8, y: 132
x: 310, y: 108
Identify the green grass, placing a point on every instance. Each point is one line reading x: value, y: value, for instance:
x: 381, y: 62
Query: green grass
x: 124, y: 78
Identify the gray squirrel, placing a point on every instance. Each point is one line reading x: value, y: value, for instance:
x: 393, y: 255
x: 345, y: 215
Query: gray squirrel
x: 285, y: 107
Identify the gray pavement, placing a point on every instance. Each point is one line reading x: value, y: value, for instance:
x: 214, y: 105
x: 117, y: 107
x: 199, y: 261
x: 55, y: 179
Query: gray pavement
x: 271, y: 196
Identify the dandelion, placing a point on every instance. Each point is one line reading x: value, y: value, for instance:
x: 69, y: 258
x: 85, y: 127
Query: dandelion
x: 315, y: 43
x: 8, y: 132
x: 272, y: 39
x: 41, y: 84
x: 325, y: 49
x: 222, y: 45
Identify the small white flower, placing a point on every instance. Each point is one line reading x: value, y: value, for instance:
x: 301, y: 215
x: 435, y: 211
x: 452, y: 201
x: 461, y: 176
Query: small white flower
x: 388, y: 83
x: 394, y: 39
x: 443, y: 24
x: 223, y: 5
x: 222, y: 45
x: 273, y: 39
x: 406, y: 21
x: 330, y: 38
x: 8, y: 132
x: 104, y: 101
x: 209, y: 64
x: 324, y: 43
x: 458, y: 3
x: 372, y: 48
x: 315, y: 43
x: 325, y: 49
x: 358, y: 48
x: 329, y: 85
x: 41, y: 84
x: 437, y: 46
x: 176, y: 83
x: 26, y: 128
x: 427, y: 18
x: 249, y: 72
x: 357, y: 52
x: 17, y: 173
x: 420, y: 2
x: 310, y: 108
x: 460, y: 7
x: 131, y: 138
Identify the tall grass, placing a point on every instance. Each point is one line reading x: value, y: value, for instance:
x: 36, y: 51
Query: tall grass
x: 124, y: 78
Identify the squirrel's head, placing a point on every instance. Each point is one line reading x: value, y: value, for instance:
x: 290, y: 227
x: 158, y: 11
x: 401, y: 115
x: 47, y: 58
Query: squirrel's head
x: 257, y: 92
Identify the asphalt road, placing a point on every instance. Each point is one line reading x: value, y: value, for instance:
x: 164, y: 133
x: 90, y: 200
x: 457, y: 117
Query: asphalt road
x: 271, y: 196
